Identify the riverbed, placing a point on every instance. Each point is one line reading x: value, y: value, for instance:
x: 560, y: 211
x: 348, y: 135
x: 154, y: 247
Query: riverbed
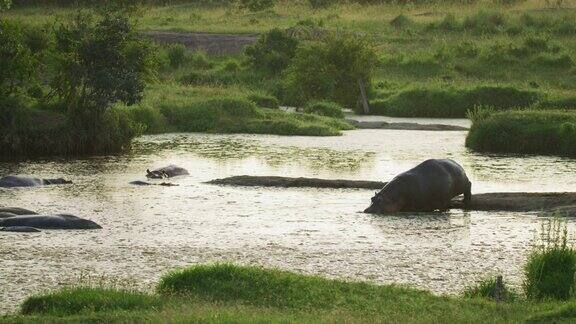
x: 150, y: 230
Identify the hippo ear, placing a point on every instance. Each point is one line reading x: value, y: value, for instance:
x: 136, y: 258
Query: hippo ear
x: 148, y: 171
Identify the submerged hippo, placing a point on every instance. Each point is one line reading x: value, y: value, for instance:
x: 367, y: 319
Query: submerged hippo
x: 144, y: 183
x: 22, y: 181
x: 60, y: 221
x: 427, y: 187
x: 19, y: 229
x: 166, y: 172
x: 16, y: 211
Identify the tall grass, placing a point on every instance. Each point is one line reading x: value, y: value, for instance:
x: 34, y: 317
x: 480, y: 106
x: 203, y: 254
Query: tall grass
x: 537, y: 132
x: 551, y: 267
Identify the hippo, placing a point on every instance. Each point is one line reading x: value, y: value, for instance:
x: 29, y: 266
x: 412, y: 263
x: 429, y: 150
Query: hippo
x: 22, y: 181
x: 144, y: 183
x: 59, y: 221
x: 16, y: 211
x: 19, y: 229
x: 166, y: 172
x: 429, y: 186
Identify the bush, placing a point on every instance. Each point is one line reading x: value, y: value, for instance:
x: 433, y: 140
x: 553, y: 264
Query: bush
x: 324, y: 108
x: 177, y: 55
x: 548, y: 132
x: 231, y: 66
x: 453, y: 103
x: 401, y: 21
x: 263, y: 100
x: 551, y: 269
x: 200, y: 60
x: 211, y: 78
x: 272, y: 51
x: 491, y: 288
x: 16, y: 60
x: 257, y: 5
x: 319, y: 4
x: 330, y: 70
x: 80, y: 300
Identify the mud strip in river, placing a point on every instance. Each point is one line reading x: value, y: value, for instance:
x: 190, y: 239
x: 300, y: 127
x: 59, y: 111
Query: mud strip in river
x: 403, y: 126
x: 561, y: 202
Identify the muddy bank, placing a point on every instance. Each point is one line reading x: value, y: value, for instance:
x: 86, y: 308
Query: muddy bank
x: 561, y: 202
x: 403, y: 126
x: 286, y: 182
x: 213, y: 44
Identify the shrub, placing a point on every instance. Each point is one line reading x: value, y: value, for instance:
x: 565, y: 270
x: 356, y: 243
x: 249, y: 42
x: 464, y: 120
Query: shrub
x: 16, y: 60
x: 485, y: 22
x: 318, y: 4
x: 272, y: 51
x: 257, y: 5
x: 453, y: 103
x: 79, y: 300
x: 200, y: 60
x: 537, y: 132
x: 264, y: 100
x: 491, y: 288
x: 551, y: 268
x: 330, y: 70
x: 177, y: 55
x: 231, y: 66
x: 401, y: 21
x: 324, y: 108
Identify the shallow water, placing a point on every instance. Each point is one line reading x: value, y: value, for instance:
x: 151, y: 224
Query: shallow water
x: 150, y: 230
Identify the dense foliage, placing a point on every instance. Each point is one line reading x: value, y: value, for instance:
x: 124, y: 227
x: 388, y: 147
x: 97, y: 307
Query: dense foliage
x: 532, y: 131
x: 272, y: 51
x: 330, y: 70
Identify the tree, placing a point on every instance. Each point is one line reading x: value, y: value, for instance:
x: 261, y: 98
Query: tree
x: 100, y: 62
x: 5, y: 4
x: 16, y: 61
x: 330, y: 70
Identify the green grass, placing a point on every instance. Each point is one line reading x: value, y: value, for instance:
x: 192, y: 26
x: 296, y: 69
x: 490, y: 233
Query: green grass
x: 229, y: 293
x: 551, y: 267
x: 177, y: 108
x: 536, y: 132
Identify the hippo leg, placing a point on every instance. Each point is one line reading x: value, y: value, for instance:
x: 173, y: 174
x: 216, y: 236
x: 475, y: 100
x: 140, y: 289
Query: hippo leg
x: 468, y: 196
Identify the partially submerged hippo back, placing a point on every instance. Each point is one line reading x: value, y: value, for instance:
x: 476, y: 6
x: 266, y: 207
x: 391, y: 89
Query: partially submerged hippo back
x: 19, y: 229
x: 16, y: 211
x: 60, y: 221
x: 166, y: 172
x: 427, y: 187
x: 22, y: 181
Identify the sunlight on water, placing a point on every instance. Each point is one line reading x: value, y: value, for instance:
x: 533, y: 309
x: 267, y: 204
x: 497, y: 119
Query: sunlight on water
x: 150, y: 230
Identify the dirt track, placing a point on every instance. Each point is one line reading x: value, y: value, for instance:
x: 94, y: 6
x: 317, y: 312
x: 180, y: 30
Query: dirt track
x: 560, y: 202
x: 213, y: 44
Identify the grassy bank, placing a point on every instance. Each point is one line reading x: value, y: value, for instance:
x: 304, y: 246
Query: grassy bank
x: 178, y: 108
x: 531, y: 131
x: 223, y: 292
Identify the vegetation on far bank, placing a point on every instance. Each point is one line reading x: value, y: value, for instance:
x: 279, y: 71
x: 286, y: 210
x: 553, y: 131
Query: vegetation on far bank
x: 523, y: 131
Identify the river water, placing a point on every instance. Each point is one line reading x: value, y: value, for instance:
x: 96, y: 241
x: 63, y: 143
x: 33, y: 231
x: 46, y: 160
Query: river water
x: 148, y: 231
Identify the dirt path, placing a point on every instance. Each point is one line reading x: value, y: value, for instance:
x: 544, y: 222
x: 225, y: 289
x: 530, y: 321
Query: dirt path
x: 560, y: 202
x: 213, y: 44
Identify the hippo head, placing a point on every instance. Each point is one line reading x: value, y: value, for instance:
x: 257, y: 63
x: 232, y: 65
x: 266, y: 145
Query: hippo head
x: 156, y: 174
x: 57, y: 181
x: 383, y: 203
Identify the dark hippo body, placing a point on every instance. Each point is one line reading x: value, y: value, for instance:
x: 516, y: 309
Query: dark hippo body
x: 60, y: 221
x: 166, y: 172
x: 16, y: 211
x: 144, y: 183
x: 22, y: 181
x: 19, y: 229
x: 427, y: 187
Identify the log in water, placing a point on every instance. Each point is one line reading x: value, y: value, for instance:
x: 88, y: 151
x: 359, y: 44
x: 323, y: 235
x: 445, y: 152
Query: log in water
x: 494, y: 201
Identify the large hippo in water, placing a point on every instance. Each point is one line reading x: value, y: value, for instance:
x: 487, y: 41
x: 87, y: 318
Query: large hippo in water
x: 166, y: 172
x: 427, y: 187
x: 60, y: 221
x: 22, y: 181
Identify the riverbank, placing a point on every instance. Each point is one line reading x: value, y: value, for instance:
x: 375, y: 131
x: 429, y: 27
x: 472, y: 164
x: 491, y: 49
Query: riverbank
x: 224, y: 292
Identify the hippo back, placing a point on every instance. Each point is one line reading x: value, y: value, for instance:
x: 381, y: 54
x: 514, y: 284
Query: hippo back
x: 60, y: 221
x: 20, y: 181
